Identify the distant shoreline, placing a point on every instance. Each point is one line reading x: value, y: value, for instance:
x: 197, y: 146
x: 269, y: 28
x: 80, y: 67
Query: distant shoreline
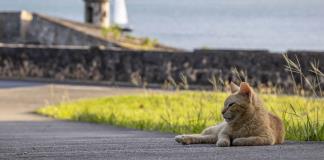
x: 273, y: 25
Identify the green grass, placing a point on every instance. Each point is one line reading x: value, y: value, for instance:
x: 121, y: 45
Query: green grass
x: 149, y: 43
x: 114, y: 30
x: 189, y: 112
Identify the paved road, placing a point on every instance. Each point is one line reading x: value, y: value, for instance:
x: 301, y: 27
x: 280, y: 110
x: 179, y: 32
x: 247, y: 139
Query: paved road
x: 24, y: 135
x: 19, y: 99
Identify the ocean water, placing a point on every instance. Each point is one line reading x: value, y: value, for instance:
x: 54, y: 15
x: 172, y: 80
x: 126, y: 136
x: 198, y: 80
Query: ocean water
x: 276, y: 25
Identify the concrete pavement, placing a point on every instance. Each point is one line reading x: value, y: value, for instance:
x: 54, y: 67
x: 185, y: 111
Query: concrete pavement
x: 24, y: 135
x: 19, y: 99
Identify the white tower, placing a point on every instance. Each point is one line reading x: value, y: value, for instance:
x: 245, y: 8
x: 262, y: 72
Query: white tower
x: 120, y: 13
x: 97, y: 12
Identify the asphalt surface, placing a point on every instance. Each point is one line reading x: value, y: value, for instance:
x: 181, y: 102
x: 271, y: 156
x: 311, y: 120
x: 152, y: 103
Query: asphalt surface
x: 19, y: 99
x: 24, y: 135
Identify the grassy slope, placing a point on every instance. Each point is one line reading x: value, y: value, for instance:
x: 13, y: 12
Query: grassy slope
x: 189, y: 112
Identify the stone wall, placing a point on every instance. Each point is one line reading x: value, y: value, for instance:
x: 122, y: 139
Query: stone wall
x: 9, y: 27
x: 113, y: 66
x: 31, y: 28
x: 44, y: 31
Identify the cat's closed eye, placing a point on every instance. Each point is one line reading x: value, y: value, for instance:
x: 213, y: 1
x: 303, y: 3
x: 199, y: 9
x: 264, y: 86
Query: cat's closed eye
x: 231, y: 104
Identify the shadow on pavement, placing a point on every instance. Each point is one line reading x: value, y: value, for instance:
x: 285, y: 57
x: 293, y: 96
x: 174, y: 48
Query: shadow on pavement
x: 5, y: 84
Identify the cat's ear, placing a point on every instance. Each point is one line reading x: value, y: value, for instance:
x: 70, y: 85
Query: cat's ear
x: 246, y: 90
x: 234, y: 87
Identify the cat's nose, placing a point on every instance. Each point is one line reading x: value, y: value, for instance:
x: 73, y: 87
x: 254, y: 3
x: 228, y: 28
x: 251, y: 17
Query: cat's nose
x: 223, y: 111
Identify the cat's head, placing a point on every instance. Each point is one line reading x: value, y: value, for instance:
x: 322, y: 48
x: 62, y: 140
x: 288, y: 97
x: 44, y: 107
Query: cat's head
x: 241, y: 101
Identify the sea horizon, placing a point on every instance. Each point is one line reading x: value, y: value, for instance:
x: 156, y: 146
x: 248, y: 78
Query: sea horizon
x: 223, y: 24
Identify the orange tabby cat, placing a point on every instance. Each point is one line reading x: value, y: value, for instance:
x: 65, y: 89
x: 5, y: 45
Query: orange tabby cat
x: 247, y: 123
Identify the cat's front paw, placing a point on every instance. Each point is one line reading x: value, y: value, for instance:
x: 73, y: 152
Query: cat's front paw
x: 239, y: 142
x: 183, y: 139
x: 223, y: 143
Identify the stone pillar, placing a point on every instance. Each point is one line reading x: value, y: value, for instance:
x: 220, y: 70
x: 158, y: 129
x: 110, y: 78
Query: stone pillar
x: 25, y: 20
x: 97, y: 12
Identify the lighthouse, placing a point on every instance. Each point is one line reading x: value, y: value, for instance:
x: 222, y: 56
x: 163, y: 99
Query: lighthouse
x: 97, y: 12
x: 120, y: 16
